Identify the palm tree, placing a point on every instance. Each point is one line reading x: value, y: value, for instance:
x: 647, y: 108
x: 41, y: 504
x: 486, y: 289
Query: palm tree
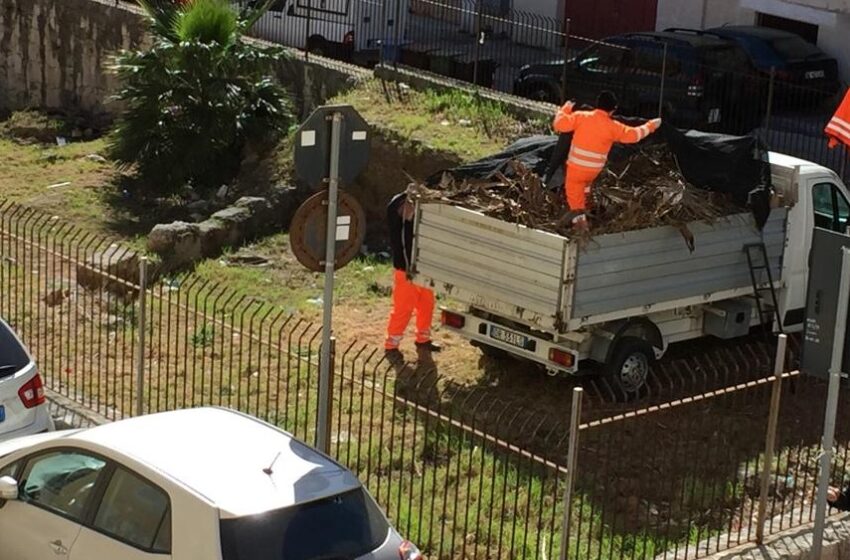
x: 198, y: 98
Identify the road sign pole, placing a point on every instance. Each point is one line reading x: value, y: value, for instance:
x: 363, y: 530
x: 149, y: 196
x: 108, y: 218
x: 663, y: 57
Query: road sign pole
x: 832, y: 403
x: 324, y: 421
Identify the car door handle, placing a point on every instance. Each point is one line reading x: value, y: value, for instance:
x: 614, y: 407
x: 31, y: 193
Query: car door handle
x: 58, y: 548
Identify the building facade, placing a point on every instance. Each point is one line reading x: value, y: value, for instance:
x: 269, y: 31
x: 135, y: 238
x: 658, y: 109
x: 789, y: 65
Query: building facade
x: 824, y: 22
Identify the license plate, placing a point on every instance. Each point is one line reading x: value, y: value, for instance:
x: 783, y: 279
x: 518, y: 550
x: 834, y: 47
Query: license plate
x: 815, y: 74
x: 714, y: 116
x: 508, y: 337
x: 2, y: 413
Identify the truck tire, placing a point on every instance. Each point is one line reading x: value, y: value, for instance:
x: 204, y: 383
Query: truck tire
x: 629, y: 367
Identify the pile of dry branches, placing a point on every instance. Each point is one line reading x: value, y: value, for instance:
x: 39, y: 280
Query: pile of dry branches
x: 643, y: 191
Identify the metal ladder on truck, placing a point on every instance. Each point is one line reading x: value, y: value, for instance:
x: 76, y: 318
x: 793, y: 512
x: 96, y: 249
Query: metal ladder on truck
x: 758, y: 262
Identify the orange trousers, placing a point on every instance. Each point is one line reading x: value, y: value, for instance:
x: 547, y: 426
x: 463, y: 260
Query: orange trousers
x: 577, y: 185
x: 408, y: 298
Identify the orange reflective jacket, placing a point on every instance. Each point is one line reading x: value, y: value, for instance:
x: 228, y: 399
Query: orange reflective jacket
x: 595, y: 132
x: 838, y: 129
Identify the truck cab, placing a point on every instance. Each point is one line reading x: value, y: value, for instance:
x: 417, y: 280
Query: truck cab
x: 815, y: 197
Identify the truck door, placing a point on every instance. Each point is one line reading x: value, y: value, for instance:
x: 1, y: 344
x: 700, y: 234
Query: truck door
x: 828, y: 208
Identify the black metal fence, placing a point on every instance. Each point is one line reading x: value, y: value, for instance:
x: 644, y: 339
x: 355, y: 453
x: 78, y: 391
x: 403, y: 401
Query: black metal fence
x: 460, y: 472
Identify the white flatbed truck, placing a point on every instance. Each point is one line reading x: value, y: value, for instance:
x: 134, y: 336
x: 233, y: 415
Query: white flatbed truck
x: 624, y: 298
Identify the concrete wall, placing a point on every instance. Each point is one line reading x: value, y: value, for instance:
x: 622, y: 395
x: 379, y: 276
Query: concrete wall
x: 833, y: 24
x: 55, y: 53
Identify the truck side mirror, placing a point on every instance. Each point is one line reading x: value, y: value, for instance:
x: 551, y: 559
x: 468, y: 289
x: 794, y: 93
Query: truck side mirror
x: 8, y: 489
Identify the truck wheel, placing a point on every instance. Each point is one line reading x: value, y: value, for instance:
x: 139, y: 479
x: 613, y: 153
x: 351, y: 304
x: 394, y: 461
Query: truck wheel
x: 629, y: 367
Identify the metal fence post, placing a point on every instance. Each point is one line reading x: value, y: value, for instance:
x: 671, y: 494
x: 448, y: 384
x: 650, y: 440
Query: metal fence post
x: 140, y: 340
x: 564, y: 72
x: 831, y: 404
x: 769, y: 110
x: 770, y: 440
x: 572, y: 462
x: 330, y: 397
x: 663, y: 81
x: 479, y: 40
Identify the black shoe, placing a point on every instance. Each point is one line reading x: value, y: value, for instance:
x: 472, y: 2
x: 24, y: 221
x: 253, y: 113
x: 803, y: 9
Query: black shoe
x: 394, y: 357
x: 429, y: 346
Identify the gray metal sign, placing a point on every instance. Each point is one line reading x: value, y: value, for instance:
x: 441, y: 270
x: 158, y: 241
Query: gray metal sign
x: 822, y: 302
x: 313, y: 146
x: 308, y: 231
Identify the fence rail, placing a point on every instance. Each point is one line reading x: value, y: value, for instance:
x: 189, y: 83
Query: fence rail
x: 459, y: 472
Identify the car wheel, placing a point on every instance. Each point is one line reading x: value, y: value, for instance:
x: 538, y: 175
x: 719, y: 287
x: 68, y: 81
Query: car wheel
x: 542, y: 92
x: 629, y: 368
x: 318, y: 46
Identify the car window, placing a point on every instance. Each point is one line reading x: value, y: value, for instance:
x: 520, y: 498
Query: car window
x: 831, y: 209
x: 350, y: 525
x: 794, y: 48
x: 649, y: 60
x: 135, y: 511
x: 727, y: 58
x: 13, y: 357
x: 61, y: 481
x: 602, y: 59
x: 9, y: 470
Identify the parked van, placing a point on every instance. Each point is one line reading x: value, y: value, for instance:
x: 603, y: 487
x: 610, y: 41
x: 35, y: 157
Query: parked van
x: 344, y: 29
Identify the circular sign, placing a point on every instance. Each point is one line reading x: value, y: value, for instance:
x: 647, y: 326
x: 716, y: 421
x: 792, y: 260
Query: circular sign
x: 309, y: 230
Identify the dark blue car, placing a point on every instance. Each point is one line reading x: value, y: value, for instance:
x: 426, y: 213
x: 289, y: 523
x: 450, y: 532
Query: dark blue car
x: 802, y: 69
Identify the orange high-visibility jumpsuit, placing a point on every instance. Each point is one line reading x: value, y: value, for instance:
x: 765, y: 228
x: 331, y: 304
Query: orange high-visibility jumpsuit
x: 595, y: 132
x: 409, y: 298
x: 838, y: 128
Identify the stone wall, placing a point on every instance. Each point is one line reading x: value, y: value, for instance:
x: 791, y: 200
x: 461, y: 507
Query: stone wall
x: 55, y: 53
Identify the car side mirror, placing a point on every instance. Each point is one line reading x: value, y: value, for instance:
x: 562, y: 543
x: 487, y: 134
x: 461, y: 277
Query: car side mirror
x: 8, y: 489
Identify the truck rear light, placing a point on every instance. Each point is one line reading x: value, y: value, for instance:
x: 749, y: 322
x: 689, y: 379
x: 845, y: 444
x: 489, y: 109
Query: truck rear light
x: 562, y: 358
x: 697, y: 86
x: 32, y: 392
x: 408, y: 551
x: 452, y: 320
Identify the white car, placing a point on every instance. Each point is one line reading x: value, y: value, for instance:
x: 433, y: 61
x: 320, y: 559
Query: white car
x: 196, y: 484
x: 23, y: 408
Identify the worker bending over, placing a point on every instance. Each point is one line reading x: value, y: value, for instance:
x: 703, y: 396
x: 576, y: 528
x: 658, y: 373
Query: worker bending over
x: 408, y: 298
x: 595, y: 132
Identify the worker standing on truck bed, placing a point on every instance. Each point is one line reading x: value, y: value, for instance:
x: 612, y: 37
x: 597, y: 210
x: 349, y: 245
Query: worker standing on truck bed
x: 594, y: 133
x: 408, y: 298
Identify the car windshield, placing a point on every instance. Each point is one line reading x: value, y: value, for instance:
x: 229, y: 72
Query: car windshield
x: 346, y: 526
x: 794, y: 48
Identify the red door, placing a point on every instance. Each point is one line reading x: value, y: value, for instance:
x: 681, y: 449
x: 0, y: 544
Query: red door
x: 602, y: 18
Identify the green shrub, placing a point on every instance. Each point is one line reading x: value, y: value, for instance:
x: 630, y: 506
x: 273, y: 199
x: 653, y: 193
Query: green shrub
x: 198, y: 99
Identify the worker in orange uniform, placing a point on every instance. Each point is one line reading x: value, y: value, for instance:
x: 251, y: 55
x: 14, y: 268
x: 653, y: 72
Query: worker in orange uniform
x: 594, y: 133
x: 408, y: 298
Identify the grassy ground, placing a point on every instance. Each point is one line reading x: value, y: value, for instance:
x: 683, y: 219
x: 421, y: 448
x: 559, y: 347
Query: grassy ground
x: 455, y: 122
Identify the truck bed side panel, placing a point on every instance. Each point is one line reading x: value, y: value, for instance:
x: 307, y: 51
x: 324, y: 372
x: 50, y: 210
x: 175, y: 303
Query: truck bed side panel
x: 647, y: 267
x: 496, y: 266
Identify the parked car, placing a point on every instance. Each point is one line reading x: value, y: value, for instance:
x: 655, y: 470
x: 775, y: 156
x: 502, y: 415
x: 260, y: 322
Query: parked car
x: 196, y: 484
x: 23, y: 407
x: 796, y: 61
x: 704, y: 82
